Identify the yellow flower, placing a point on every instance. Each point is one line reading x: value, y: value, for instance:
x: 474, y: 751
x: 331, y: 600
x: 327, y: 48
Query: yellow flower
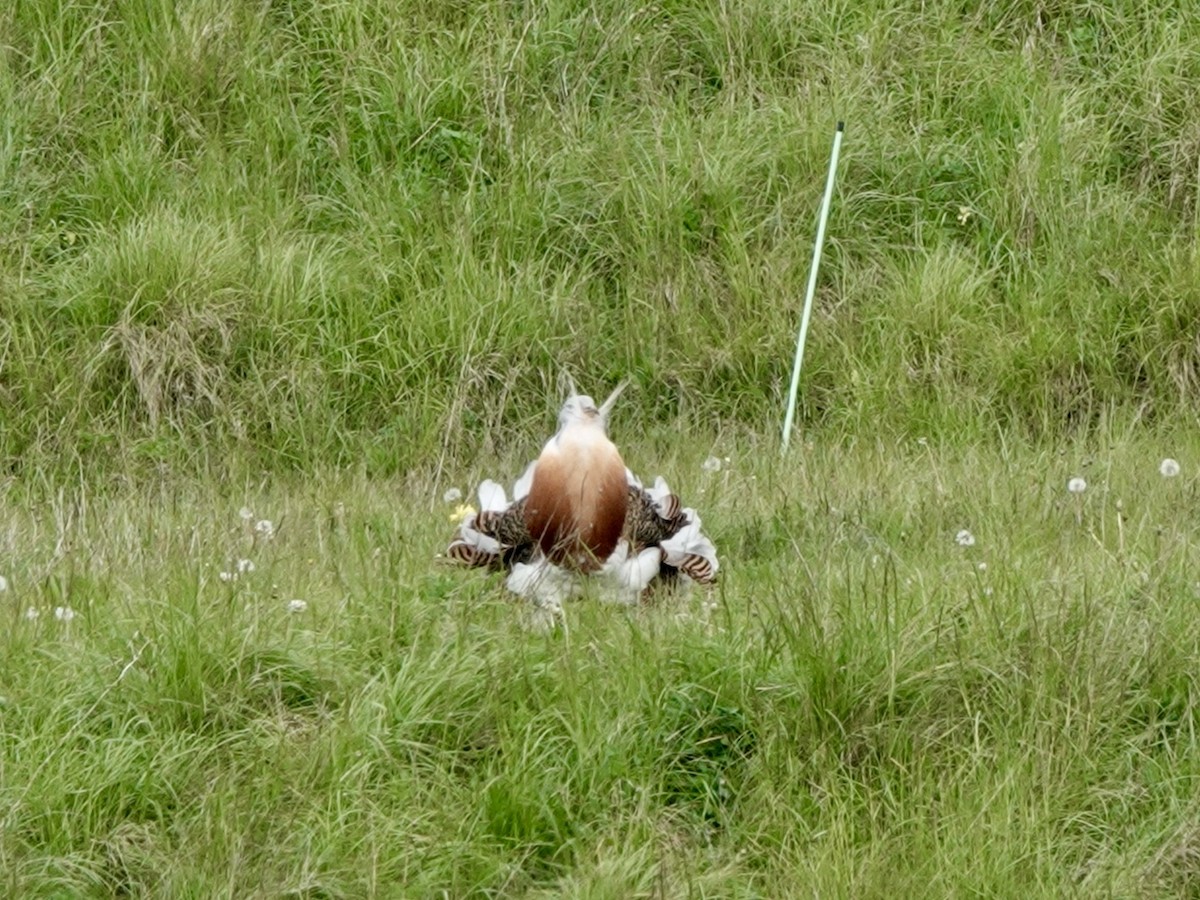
x: 461, y: 512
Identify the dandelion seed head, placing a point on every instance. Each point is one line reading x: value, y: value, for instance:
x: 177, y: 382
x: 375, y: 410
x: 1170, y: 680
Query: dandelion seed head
x: 32, y: 613
x: 712, y: 464
x: 452, y: 496
x: 227, y: 576
x: 964, y: 538
x: 246, y: 513
x: 64, y: 613
x: 1076, y: 485
x: 1168, y: 468
x: 297, y: 606
x: 982, y: 567
x: 245, y: 565
x: 265, y: 528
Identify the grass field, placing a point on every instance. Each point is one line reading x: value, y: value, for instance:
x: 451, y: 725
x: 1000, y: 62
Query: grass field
x: 864, y: 707
x: 319, y: 261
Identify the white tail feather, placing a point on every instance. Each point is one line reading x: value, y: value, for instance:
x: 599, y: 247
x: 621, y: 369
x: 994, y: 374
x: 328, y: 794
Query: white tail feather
x: 492, y: 496
x: 665, y: 502
x: 477, y: 539
x: 625, y: 577
x: 690, y: 541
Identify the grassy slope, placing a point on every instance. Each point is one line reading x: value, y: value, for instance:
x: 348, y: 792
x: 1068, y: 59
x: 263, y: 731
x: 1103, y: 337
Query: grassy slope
x: 244, y: 238
x: 357, y: 230
x: 869, y: 709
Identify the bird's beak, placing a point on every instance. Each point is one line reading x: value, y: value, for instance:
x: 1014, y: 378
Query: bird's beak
x: 607, y: 405
x: 570, y: 385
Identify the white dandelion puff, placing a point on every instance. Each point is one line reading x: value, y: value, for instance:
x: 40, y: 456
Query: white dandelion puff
x: 295, y: 607
x: 452, y: 496
x: 246, y: 513
x: 32, y: 614
x: 265, y: 528
x: 964, y: 539
x: 1168, y: 468
x: 64, y: 613
x: 1076, y: 485
x: 982, y: 567
x: 244, y: 566
x: 712, y: 464
x: 227, y: 576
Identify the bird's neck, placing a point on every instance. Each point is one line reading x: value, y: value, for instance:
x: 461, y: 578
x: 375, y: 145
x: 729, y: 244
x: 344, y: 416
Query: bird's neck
x: 580, y: 434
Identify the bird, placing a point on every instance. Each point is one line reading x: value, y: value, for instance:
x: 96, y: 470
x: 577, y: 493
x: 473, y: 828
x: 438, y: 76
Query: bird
x: 578, y: 499
x: 657, y: 518
x: 578, y: 512
x: 496, y: 537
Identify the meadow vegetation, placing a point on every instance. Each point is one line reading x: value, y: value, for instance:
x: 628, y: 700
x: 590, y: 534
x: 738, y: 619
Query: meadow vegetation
x: 324, y: 259
x: 328, y: 231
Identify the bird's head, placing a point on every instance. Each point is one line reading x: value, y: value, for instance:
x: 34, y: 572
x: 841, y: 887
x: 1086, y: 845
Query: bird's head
x: 580, y: 409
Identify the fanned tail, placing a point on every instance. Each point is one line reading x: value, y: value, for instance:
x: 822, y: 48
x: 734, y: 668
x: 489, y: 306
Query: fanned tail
x: 661, y: 539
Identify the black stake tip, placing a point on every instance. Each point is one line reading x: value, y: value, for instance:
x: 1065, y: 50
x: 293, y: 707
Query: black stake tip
x: 841, y: 125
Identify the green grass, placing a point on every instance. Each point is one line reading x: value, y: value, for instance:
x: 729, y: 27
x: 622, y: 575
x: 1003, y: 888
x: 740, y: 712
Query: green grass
x: 327, y: 231
x: 862, y: 707
x: 324, y: 259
